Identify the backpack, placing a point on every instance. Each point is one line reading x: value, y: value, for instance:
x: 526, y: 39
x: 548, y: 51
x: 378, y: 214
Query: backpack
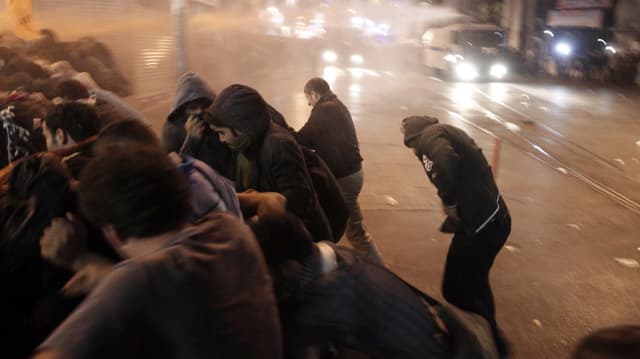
x: 328, y: 192
x: 324, y: 183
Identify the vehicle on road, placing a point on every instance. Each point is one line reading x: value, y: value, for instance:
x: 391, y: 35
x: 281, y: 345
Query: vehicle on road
x: 466, y: 52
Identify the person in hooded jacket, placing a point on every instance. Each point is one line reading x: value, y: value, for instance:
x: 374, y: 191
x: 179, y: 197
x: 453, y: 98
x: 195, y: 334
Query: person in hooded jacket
x: 186, y: 133
x: 476, y: 212
x: 268, y: 158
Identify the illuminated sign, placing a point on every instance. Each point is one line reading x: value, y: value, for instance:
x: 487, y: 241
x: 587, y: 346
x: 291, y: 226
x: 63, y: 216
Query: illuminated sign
x: 583, y: 4
x: 584, y: 18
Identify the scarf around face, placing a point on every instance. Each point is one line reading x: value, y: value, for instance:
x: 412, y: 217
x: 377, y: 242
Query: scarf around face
x: 244, y: 175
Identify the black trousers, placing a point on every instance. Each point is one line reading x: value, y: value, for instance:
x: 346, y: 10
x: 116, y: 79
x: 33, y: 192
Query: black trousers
x: 466, y: 273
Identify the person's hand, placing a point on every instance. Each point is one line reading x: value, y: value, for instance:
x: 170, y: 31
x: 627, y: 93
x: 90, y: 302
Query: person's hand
x: 93, y: 271
x: 451, y: 212
x: 63, y: 241
x: 195, y: 127
x: 271, y: 202
x: 259, y: 203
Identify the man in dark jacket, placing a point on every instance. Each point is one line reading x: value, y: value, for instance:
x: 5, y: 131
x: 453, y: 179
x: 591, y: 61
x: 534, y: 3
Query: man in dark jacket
x: 186, y: 133
x: 331, y: 132
x: 268, y: 157
x: 476, y: 212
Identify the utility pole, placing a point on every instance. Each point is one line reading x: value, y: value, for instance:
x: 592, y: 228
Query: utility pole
x: 178, y: 12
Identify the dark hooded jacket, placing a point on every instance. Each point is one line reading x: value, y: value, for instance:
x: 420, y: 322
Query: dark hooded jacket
x: 190, y: 87
x: 456, y: 166
x: 209, y: 150
x: 330, y: 131
x: 276, y: 161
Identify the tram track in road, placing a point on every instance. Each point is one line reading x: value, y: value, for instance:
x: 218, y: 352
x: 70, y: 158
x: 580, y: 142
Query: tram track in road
x: 553, y: 149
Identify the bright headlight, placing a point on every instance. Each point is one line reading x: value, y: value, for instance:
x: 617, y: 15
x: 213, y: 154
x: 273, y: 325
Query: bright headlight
x: 498, y: 71
x: 329, y: 56
x: 611, y: 49
x: 466, y: 72
x: 454, y: 59
x: 563, y: 49
x: 357, y: 59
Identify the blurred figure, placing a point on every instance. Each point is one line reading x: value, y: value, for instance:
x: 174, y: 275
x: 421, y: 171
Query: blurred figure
x: 19, y: 132
x: 331, y: 132
x: 21, y: 12
x: 186, y: 291
x: 67, y: 125
x: 620, y: 342
x: 63, y: 241
x: 268, y: 158
x: 475, y: 210
x: 36, y: 190
x: 109, y: 106
x: 328, y: 294
x: 186, y: 132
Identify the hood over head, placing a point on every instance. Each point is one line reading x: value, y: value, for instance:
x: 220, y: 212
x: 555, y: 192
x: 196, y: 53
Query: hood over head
x: 242, y: 108
x: 190, y: 87
x: 413, y: 127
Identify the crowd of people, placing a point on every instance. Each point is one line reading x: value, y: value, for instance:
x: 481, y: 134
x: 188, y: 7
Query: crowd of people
x: 219, y: 238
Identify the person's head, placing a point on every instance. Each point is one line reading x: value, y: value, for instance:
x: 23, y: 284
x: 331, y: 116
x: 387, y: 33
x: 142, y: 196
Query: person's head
x: 69, y: 123
x: 124, y: 134
x: 196, y: 107
x: 72, y: 90
x: 315, y: 89
x: 134, y: 194
x: 411, y: 127
x: 620, y: 342
x: 286, y: 244
x: 193, y: 97
x: 239, y: 116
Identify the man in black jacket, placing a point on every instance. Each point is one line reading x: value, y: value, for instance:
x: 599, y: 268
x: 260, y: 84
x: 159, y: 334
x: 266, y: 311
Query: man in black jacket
x: 268, y: 158
x: 476, y: 212
x: 330, y: 131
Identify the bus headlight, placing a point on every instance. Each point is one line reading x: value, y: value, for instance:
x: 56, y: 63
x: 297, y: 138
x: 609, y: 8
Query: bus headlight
x: 466, y: 72
x: 498, y: 71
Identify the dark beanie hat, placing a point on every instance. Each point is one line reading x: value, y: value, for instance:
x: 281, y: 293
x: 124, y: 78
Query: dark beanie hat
x: 242, y: 108
x: 413, y: 127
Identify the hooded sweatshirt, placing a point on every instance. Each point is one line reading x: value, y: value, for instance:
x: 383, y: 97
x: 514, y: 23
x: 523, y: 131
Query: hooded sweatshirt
x: 276, y: 161
x: 190, y: 87
x: 209, y: 150
x: 456, y: 166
